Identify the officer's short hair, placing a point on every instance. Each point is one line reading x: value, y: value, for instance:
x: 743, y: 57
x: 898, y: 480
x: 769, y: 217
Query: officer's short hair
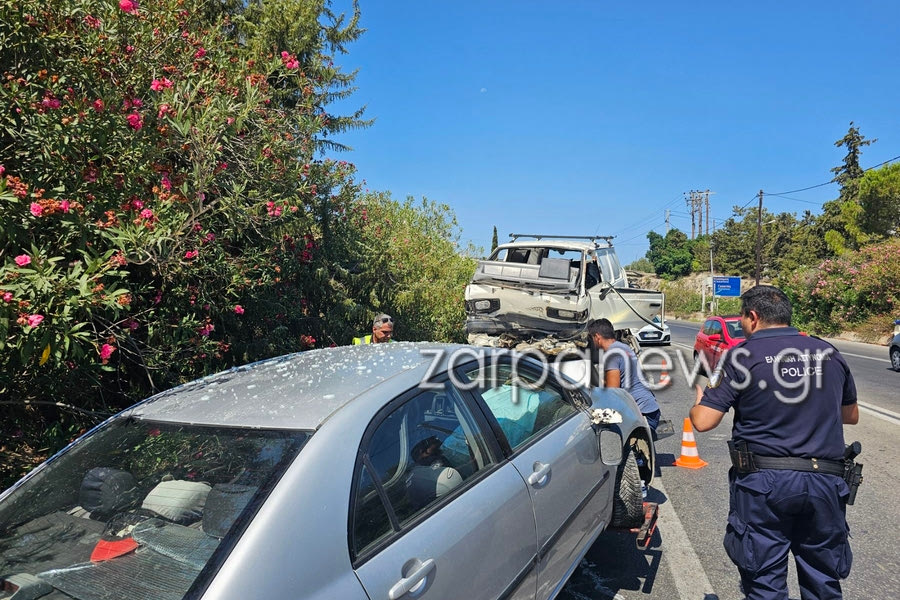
x: 603, y: 328
x: 770, y: 304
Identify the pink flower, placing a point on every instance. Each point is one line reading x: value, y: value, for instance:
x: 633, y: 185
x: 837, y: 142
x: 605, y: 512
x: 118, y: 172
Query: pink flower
x: 35, y: 320
x: 206, y: 330
x: 137, y: 204
x: 160, y: 84
x: 129, y: 6
x: 190, y: 254
x: 2, y: 170
x: 290, y: 61
x: 200, y: 53
x: 106, y: 351
x: 50, y: 102
x: 146, y: 214
x: 164, y: 109
x: 23, y: 259
x: 36, y: 209
x: 166, y: 183
x: 7, y: 297
x: 238, y: 309
x: 65, y: 205
x: 135, y: 121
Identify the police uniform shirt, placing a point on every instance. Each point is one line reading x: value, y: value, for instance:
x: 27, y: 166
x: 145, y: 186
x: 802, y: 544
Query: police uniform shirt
x: 793, y: 390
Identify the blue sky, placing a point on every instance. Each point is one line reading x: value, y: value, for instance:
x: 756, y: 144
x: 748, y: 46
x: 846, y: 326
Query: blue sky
x: 582, y: 117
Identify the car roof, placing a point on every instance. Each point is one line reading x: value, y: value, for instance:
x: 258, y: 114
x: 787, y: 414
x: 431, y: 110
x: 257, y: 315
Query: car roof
x: 296, y: 391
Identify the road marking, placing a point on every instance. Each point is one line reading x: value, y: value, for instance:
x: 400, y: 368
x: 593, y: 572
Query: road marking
x: 863, y: 356
x: 684, y: 564
x: 882, y: 413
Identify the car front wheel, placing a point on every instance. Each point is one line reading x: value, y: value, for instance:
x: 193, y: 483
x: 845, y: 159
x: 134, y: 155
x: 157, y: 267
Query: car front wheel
x: 628, y: 501
x: 895, y: 358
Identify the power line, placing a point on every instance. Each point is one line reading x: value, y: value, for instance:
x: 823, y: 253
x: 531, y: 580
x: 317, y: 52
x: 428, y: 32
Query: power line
x: 642, y: 222
x: 812, y: 187
x: 640, y: 234
x: 797, y: 199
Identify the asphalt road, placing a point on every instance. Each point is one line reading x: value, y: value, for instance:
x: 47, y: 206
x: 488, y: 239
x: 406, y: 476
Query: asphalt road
x: 686, y: 559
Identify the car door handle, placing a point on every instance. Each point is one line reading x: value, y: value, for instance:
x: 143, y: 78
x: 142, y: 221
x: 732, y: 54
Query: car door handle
x: 406, y: 584
x: 541, y: 471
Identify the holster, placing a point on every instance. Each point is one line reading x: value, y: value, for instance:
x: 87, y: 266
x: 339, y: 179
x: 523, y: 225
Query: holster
x: 741, y: 457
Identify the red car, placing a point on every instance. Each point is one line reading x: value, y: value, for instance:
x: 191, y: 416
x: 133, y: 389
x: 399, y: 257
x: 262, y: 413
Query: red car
x: 717, y: 335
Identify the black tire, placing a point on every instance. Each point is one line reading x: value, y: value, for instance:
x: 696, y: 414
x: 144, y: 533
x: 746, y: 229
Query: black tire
x: 628, y: 502
x: 895, y: 358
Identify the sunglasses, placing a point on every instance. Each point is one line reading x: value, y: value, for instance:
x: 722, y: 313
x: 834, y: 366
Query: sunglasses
x: 384, y: 320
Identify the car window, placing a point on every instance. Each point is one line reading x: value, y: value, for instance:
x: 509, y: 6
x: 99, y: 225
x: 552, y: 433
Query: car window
x: 140, y: 497
x: 715, y: 327
x: 422, y: 450
x: 734, y: 329
x: 523, y: 403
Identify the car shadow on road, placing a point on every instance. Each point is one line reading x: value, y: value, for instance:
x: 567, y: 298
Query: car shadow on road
x: 615, y: 564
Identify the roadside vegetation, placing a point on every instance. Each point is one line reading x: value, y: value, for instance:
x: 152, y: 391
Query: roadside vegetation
x: 172, y: 204
x: 841, y: 268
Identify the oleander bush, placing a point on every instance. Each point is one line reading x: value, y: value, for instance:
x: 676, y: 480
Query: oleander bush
x: 169, y: 207
x: 850, y: 291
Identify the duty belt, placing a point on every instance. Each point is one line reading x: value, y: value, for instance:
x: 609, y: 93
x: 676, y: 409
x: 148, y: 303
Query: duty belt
x: 745, y: 461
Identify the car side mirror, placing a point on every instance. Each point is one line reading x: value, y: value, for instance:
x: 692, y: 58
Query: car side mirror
x: 715, y: 338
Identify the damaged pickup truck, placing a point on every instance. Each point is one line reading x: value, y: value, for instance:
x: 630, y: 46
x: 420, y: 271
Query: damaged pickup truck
x: 541, y: 291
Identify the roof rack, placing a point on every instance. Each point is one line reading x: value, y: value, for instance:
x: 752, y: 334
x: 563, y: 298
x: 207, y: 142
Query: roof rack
x: 593, y: 238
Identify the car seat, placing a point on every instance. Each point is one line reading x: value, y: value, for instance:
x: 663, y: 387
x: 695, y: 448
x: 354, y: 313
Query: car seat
x: 106, y: 491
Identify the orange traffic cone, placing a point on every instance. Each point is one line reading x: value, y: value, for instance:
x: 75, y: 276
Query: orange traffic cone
x: 689, y: 458
x: 664, y: 374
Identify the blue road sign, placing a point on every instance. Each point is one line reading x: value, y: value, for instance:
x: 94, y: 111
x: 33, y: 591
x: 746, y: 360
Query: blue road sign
x: 727, y: 286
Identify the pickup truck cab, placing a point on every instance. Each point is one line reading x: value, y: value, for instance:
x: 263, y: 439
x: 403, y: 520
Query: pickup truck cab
x: 539, y: 286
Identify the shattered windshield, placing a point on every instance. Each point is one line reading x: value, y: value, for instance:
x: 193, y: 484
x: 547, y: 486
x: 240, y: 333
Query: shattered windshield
x: 136, y: 510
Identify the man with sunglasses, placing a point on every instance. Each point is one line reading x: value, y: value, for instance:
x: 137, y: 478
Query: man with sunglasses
x: 382, y: 331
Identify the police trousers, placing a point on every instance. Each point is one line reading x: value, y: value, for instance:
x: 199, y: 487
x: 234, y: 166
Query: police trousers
x: 776, y: 512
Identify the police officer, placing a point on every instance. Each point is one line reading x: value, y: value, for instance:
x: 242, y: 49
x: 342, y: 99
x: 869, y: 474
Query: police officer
x: 790, y: 394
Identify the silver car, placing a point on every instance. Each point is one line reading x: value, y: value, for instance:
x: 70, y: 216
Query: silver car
x: 381, y: 471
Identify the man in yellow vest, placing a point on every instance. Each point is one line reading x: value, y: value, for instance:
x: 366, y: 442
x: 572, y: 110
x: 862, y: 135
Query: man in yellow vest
x: 382, y: 331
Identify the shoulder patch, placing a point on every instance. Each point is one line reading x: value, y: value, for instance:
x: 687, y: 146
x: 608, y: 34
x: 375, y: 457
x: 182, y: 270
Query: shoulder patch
x: 715, y: 380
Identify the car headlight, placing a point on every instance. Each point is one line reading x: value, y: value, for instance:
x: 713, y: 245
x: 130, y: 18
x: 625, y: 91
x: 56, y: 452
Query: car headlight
x: 482, y: 306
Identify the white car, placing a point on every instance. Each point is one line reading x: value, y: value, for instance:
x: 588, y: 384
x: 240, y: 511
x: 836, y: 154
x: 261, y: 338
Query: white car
x: 658, y: 333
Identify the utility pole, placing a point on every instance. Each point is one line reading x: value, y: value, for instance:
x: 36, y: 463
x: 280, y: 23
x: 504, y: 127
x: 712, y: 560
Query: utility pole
x: 707, y: 211
x: 692, y: 205
x: 667, y: 221
x: 759, y: 237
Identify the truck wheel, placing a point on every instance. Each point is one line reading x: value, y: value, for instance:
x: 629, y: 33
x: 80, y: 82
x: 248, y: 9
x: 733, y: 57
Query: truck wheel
x: 628, y: 502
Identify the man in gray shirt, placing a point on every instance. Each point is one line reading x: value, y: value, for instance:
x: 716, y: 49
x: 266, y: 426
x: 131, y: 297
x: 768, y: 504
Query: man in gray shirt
x: 621, y: 370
